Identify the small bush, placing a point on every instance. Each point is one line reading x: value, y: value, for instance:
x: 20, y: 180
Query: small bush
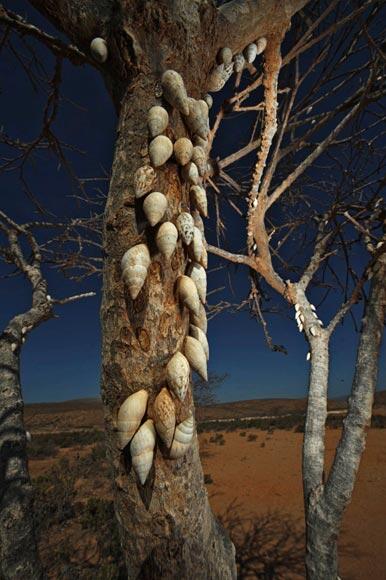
x: 208, y: 478
x: 218, y: 439
x: 242, y: 434
x: 251, y: 437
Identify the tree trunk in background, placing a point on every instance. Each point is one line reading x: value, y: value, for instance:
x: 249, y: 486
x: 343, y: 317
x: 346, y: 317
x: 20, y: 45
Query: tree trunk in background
x: 325, y: 503
x: 167, y: 527
x: 19, y: 558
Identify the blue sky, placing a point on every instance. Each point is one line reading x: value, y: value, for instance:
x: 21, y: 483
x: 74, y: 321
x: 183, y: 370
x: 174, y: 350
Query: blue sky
x: 61, y: 359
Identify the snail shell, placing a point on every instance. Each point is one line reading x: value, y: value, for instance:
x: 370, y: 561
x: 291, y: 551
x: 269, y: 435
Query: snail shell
x: 130, y: 415
x: 261, y: 45
x: 144, y: 178
x: 98, y: 48
x: 195, y: 354
x: 199, y: 141
x: 160, y: 150
x: 142, y: 450
x: 157, y: 120
x: 185, y: 226
x: 199, y: 197
x: 198, y: 222
x: 239, y: 62
x: 225, y: 55
x: 199, y: 335
x: 219, y: 76
x: 183, y: 149
x: 174, y: 91
x: 182, y: 438
x: 135, y: 263
x: 199, y: 158
x: 198, y: 118
x: 190, y: 173
x: 198, y: 275
x: 178, y: 375
x: 204, y: 257
x: 200, y: 320
x: 166, y: 239
x: 197, y: 245
x: 250, y: 52
x: 155, y: 206
x: 209, y: 100
x: 164, y: 416
x: 188, y: 294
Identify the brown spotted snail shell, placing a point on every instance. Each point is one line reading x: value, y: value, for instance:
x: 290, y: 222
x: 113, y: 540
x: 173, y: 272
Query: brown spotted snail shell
x: 160, y: 150
x: 130, y: 415
x: 164, y: 413
x: 135, y: 264
x: 157, y: 120
x: 174, y: 91
x: 199, y: 199
x: 261, y: 45
x: 199, y: 157
x: 188, y: 294
x: 144, y: 179
x: 142, y: 450
x: 225, y: 56
x: 198, y: 120
x: 166, y: 239
x: 182, y: 438
x: 200, y: 335
x: 195, y: 355
x: 178, y: 375
x: 154, y: 207
x: 185, y: 226
x: 183, y: 150
x: 239, y: 62
x: 219, y: 76
x: 98, y: 49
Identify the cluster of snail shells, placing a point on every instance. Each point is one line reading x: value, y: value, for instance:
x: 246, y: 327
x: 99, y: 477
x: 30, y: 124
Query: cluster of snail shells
x: 228, y: 63
x: 136, y: 427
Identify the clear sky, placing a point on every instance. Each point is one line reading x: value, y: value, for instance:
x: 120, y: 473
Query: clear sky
x: 61, y: 359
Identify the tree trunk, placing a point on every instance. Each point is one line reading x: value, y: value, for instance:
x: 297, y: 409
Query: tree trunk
x: 19, y: 558
x: 325, y: 502
x: 167, y: 528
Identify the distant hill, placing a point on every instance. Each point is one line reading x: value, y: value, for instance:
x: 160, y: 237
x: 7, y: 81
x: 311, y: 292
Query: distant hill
x: 88, y: 413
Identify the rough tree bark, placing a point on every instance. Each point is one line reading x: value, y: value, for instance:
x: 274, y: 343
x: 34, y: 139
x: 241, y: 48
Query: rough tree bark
x: 167, y: 528
x: 325, y: 501
x: 19, y: 557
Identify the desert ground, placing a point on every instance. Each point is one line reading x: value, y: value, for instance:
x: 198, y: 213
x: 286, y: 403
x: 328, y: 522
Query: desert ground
x: 253, y: 477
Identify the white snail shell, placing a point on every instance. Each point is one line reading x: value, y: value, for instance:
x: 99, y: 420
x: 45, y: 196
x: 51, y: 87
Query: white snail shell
x: 199, y: 198
x: 219, y: 76
x: 135, y: 263
x: 98, y: 48
x: 154, y: 207
x: 188, y: 294
x: 174, y: 91
x: 190, y: 173
x: 164, y: 416
x: 209, y: 100
x: 142, y: 450
x: 182, y: 438
x: 183, y: 149
x: 199, y: 335
x: 166, y: 239
x: 198, y: 118
x: 250, y: 52
x: 239, y: 62
x: 200, y: 320
x: 198, y: 275
x: 130, y: 415
x: 144, y: 178
x: 261, y: 45
x: 197, y: 245
x: 157, y: 120
x: 199, y: 158
x: 195, y: 354
x: 225, y: 55
x: 178, y: 375
x: 160, y: 150
x: 185, y: 226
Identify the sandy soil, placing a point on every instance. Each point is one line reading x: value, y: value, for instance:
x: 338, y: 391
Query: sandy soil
x: 260, y: 479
